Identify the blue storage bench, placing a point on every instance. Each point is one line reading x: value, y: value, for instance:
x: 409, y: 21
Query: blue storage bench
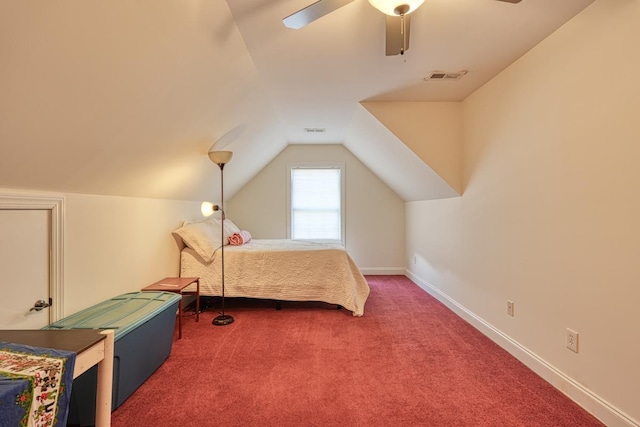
x: 143, y: 324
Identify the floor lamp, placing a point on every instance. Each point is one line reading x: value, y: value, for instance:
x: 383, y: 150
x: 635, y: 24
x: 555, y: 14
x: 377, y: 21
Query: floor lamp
x: 221, y: 158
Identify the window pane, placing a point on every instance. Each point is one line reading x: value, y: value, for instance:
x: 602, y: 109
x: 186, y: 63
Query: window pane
x: 315, y: 203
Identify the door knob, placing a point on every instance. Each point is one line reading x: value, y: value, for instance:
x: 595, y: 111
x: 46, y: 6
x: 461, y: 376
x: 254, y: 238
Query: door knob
x: 39, y: 305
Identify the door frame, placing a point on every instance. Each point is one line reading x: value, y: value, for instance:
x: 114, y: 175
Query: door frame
x: 55, y: 204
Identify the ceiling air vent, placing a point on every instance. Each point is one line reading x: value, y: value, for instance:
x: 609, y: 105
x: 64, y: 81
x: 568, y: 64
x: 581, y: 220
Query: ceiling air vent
x: 314, y: 130
x: 442, y: 75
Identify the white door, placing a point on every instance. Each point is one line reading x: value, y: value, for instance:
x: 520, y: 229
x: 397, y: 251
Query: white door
x: 24, y: 267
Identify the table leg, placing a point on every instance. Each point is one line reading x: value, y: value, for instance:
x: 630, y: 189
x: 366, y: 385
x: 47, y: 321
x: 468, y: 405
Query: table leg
x: 105, y: 383
x: 180, y: 317
x: 197, y: 300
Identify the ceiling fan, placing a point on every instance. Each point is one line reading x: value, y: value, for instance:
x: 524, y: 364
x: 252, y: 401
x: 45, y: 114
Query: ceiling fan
x: 397, y: 13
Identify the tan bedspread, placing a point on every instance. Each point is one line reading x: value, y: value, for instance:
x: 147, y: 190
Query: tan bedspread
x: 282, y: 269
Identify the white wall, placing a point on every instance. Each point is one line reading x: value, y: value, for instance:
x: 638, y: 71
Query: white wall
x: 549, y: 217
x: 374, y: 213
x: 115, y: 245
x: 431, y: 130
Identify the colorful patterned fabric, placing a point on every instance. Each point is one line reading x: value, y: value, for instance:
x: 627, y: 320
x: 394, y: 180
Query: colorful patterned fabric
x: 35, y: 385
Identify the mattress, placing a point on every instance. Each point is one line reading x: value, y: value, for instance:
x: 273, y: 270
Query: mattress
x: 282, y: 269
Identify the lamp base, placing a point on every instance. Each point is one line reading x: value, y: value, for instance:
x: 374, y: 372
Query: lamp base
x: 222, y: 320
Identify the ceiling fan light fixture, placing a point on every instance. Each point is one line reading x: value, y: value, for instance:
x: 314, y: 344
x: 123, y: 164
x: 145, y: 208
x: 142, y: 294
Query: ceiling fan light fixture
x: 396, y: 7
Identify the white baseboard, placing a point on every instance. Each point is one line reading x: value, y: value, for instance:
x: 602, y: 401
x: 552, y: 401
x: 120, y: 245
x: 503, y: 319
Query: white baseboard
x: 383, y: 271
x: 594, y: 404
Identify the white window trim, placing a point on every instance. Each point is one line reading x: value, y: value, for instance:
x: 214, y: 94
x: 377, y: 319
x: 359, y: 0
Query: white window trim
x: 343, y: 186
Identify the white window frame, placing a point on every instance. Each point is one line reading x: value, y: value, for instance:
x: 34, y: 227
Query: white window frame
x: 343, y: 198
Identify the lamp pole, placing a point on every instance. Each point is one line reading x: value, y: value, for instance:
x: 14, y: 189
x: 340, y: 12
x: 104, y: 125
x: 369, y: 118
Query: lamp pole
x: 221, y: 158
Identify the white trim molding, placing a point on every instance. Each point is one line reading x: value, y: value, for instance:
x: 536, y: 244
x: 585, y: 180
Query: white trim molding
x: 591, y: 402
x: 55, y: 204
x: 383, y: 271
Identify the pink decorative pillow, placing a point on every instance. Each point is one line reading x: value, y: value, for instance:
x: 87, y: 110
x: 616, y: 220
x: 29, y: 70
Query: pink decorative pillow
x: 237, y: 239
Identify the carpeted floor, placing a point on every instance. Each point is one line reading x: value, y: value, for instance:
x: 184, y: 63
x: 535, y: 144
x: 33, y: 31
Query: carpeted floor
x: 409, y: 361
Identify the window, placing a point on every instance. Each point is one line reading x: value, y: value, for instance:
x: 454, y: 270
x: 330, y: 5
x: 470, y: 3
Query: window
x: 316, y: 201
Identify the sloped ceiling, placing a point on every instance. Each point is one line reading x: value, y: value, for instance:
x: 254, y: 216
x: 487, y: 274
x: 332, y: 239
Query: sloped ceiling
x: 126, y: 98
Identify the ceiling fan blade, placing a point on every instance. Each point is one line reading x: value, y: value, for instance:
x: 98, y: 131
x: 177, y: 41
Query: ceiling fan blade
x: 511, y: 1
x: 312, y: 12
x: 397, y: 39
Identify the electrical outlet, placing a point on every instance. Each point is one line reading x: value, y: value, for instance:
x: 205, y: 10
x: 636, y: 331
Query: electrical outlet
x: 572, y: 340
x: 510, y: 308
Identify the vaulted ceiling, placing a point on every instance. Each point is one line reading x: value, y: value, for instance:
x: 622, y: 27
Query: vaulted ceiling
x: 126, y: 98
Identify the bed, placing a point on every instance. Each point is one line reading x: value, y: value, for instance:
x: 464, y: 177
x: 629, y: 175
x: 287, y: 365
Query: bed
x: 276, y: 269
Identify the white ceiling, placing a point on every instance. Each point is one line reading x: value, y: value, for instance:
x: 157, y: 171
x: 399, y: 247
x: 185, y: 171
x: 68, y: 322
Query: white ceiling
x: 126, y: 98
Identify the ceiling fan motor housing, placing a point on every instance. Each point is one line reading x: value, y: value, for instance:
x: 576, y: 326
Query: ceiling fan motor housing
x: 401, y: 10
x: 396, y: 7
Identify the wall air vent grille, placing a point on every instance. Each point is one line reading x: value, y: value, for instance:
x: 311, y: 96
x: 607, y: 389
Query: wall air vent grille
x: 441, y: 75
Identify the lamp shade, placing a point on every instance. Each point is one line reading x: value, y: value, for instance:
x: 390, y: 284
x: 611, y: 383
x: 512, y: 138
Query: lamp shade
x: 208, y: 208
x: 390, y: 7
x: 220, y: 157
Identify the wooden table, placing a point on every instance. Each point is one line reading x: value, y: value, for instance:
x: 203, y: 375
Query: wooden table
x: 91, y: 347
x: 177, y: 285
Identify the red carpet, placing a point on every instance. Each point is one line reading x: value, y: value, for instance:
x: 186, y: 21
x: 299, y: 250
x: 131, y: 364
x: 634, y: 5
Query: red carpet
x: 408, y: 362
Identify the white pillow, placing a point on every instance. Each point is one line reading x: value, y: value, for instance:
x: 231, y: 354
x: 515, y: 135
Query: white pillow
x: 203, y: 237
x: 230, y: 228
